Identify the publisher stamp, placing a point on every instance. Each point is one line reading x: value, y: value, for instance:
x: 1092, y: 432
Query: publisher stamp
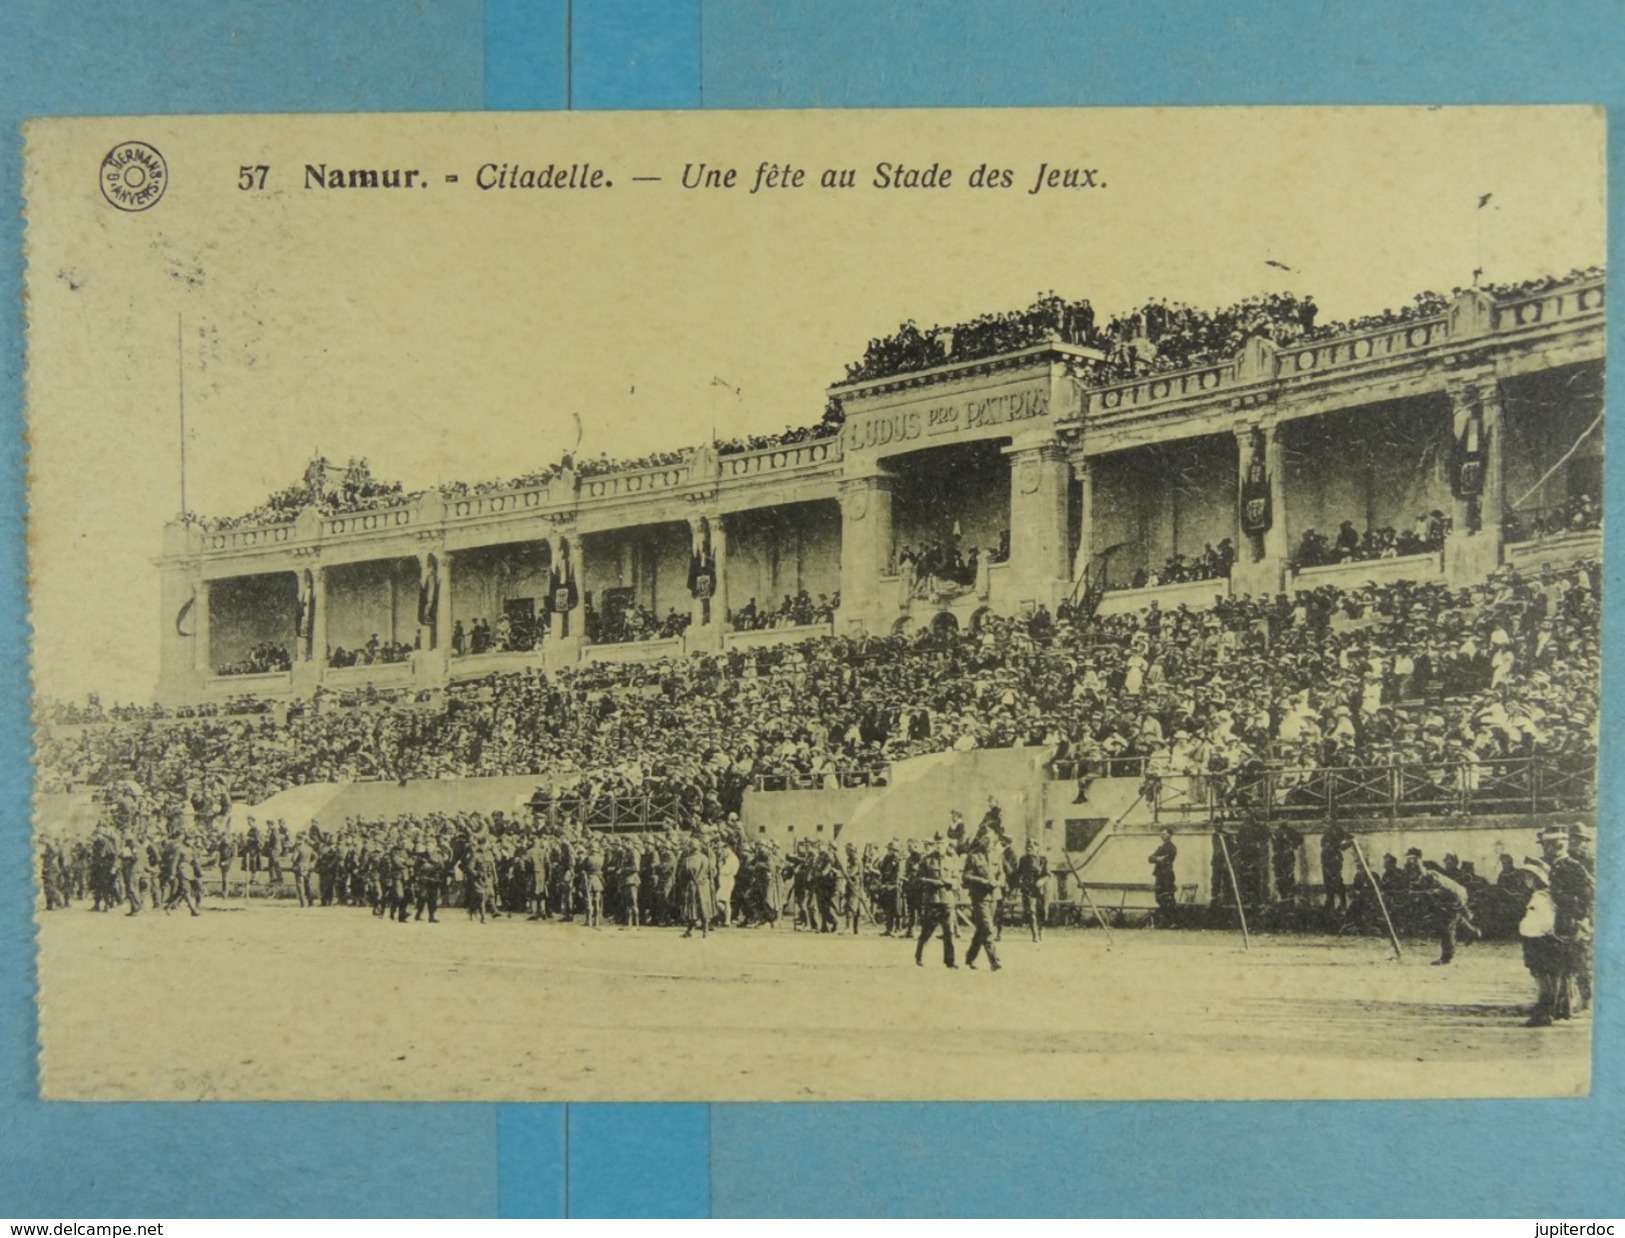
x: 134, y: 176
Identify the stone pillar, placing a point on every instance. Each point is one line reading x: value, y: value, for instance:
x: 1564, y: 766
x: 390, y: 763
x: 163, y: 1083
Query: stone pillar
x: 708, y: 617
x: 719, y: 548
x: 564, y: 632
x: 866, y: 552
x: 1083, y: 471
x: 203, y: 662
x: 442, y: 610
x: 1472, y: 549
x: 1039, y: 568
x: 177, y: 654
x: 1263, y: 561
x: 308, y: 672
x: 431, y: 663
x: 318, y: 626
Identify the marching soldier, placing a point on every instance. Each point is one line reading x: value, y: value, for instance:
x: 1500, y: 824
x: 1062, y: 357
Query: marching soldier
x: 137, y: 873
x: 939, y: 889
x: 983, y: 887
x: 183, y: 861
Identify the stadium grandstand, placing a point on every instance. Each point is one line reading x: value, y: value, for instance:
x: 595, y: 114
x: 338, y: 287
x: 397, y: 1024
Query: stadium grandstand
x: 1177, y: 568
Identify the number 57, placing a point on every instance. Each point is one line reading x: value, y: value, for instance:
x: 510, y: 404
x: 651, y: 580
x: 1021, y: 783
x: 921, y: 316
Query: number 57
x: 253, y: 177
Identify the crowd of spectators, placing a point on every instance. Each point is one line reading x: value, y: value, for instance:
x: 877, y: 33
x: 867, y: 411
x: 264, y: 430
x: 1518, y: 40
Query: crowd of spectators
x: 374, y: 653
x: 633, y: 622
x: 265, y: 658
x: 1540, y: 284
x: 1426, y: 536
x: 798, y: 610
x: 327, y: 487
x: 1157, y: 336
x: 1410, y: 673
x: 516, y: 634
x: 525, y: 481
x: 788, y: 437
x: 1160, y: 335
x: 1214, y: 563
x: 1580, y: 514
x: 943, y: 569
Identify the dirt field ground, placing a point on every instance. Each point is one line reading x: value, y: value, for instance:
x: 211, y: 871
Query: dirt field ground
x: 252, y: 1002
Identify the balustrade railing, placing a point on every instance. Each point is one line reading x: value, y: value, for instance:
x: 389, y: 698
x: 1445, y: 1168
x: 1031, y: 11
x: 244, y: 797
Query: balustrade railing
x: 641, y: 481
x: 1303, y: 793
x: 1555, y: 303
x: 249, y: 537
x: 497, y: 503
x: 375, y: 520
x: 808, y: 454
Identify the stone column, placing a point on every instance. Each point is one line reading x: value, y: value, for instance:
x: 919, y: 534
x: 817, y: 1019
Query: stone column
x: 719, y: 548
x: 1083, y: 471
x: 308, y: 672
x: 177, y: 654
x: 708, y: 617
x: 1039, y: 568
x: 866, y: 551
x: 1473, y: 546
x: 442, y: 611
x: 1262, y: 561
x: 431, y: 663
x: 202, y: 660
x: 318, y: 626
x: 564, y: 632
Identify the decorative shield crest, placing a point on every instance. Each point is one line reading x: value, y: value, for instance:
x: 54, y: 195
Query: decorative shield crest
x: 1027, y: 476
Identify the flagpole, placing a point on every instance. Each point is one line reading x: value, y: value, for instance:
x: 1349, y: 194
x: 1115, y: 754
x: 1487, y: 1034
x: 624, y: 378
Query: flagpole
x: 180, y: 386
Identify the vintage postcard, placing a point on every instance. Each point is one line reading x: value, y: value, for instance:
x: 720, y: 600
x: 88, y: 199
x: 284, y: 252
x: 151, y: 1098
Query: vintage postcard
x: 963, y: 605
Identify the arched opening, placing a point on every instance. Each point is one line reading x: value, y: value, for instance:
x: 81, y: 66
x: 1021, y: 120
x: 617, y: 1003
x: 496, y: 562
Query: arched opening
x: 946, y: 623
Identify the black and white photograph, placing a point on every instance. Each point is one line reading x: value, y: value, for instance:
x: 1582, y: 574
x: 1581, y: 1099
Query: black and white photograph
x: 997, y: 604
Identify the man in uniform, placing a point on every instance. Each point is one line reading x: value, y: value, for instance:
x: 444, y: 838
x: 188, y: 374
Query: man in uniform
x: 137, y: 872
x: 303, y: 861
x: 1163, y: 884
x: 913, y: 893
x: 982, y: 885
x: 592, y: 886
x: 1449, y: 910
x: 185, y: 876
x: 1574, y: 890
x: 1285, y: 843
x: 939, y: 894
x: 1037, y: 888
x: 1581, y: 838
x: 889, y: 889
x: 1334, y: 841
x: 696, y: 887
x: 428, y: 870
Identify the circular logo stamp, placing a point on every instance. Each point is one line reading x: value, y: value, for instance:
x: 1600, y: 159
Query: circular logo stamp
x: 134, y: 176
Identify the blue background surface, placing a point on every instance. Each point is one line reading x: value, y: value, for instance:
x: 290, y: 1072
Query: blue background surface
x: 1392, y: 1159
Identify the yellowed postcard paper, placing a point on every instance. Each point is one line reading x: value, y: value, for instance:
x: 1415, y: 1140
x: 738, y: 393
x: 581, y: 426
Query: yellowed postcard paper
x: 833, y: 605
